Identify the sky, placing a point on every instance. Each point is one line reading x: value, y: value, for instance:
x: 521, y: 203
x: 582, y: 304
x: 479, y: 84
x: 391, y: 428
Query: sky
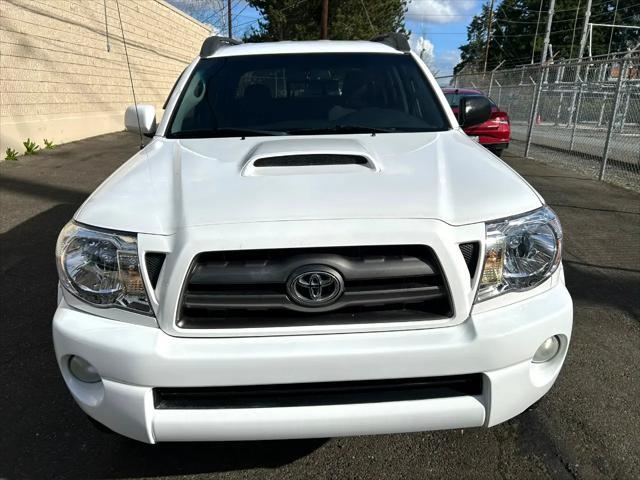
x: 438, y: 27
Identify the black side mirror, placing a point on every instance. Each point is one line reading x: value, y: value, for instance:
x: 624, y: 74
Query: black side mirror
x: 473, y: 111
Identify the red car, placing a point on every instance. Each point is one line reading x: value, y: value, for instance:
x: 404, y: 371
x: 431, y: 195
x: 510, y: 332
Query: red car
x: 495, y: 133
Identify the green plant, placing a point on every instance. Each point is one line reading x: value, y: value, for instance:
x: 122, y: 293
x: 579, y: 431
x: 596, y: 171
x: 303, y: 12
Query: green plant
x: 31, y: 147
x: 11, y: 154
x: 48, y: 144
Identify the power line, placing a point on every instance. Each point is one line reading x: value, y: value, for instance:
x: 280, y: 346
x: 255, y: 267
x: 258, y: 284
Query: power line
x: 615, y: 13
x: 133, y: 90
x: 575, y: 23
x: 373, y: 29
x: 533, y: 46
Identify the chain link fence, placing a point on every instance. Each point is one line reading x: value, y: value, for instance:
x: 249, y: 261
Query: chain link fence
x: 583, y: 115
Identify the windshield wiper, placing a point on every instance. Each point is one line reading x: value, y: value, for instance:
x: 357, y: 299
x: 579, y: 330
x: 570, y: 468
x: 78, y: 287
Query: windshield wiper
x: 340, y: 129
x: 226, y: 132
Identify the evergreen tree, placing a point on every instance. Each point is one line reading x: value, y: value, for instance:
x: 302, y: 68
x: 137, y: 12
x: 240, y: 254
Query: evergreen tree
x: 300, y: 20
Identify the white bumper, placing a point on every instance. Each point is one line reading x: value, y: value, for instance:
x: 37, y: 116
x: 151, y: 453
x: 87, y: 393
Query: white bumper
x: 133, y: 359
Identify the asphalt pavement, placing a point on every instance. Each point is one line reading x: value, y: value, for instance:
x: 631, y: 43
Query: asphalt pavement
x: 586, y: 427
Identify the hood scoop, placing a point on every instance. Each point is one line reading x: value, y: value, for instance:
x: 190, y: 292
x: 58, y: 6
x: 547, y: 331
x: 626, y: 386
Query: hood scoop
x: 311, y: 160
x: 308, y: 156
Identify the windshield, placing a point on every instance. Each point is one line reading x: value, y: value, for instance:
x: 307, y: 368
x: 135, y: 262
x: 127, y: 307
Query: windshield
x: 306, y: 94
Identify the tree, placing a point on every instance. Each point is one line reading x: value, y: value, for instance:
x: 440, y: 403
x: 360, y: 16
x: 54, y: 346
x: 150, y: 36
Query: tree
x: 513, y: 37
x: 348, y: 19
x: 472, y: 53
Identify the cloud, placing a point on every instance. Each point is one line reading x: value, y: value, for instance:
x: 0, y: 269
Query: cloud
x: 439, y: 11
x: 440, y: 63
x: 450, y: 57
x: 424, y: 48
x: 446, y: 61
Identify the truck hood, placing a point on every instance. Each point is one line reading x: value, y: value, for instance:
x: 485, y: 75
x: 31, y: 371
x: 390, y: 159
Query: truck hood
x: 175, y: 184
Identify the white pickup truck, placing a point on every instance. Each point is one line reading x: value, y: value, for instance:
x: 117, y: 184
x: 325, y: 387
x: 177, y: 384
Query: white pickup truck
x: 309, y: 246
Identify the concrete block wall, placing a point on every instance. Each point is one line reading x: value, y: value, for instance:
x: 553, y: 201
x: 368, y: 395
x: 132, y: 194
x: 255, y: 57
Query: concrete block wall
x: 57, y: 79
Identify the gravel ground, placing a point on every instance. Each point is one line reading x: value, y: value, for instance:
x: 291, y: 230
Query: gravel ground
x: 586, y: 427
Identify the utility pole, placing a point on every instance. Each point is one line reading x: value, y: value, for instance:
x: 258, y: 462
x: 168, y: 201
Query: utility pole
x: 324, y: 21
x: 535, y: 37
x: 585, y: 30
x: 547, y: 35
x: 489, y: 24
x: 229, y: 18
x: 583, y: 40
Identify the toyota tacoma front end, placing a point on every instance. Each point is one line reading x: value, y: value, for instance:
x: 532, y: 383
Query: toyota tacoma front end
x: 310, y: 246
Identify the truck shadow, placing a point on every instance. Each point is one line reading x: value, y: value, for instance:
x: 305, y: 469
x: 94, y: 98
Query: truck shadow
x: 602, y: 286
x: 45, y: 435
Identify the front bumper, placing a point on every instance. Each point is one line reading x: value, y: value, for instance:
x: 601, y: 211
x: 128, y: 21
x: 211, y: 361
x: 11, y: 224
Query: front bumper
x: 133, y: 359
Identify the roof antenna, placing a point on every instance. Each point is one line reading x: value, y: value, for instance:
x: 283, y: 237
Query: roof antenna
x: 126, y: 54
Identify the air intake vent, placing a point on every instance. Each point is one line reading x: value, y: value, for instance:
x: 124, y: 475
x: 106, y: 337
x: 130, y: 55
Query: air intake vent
x: 154, y: 261
x: 310, y: 160
x: 470, y: 252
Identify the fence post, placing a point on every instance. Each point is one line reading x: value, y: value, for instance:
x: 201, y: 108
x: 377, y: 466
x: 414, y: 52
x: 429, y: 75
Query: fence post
x: 534, y: 111
x: 604, y: 103
x: 612, y: 120
x: 490, y: 83
x: 559, y: 108
x: 623, y: 120
x: 576, y: 116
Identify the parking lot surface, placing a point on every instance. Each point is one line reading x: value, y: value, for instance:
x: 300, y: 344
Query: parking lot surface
x: 586, y: 427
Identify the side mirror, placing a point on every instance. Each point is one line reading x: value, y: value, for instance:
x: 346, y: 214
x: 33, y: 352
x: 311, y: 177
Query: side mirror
x: 146, y: 116
x: 473, y: 111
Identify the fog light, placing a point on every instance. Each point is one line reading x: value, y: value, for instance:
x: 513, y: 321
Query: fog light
x: 549, y: 349
x: 83, y: 370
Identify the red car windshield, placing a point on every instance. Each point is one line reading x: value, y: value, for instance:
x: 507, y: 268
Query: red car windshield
x: 454, y: 98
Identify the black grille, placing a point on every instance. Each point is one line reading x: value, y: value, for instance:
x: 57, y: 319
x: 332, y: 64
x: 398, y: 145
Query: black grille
x: 308, y: 394
x: 310, y: 160
x: 470, y: 252
x: 154, y: 261
x: 242, y: 289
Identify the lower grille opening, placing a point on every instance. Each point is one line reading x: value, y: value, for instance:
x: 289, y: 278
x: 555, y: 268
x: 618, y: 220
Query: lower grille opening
x: 310, y: 394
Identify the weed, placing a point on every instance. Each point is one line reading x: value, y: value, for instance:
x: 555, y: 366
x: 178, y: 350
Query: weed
x: 11, y: 154
x: 48, y: 144
x: 31, y: 147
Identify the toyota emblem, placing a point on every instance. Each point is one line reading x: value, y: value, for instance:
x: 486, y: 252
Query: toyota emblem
x: 315, y: 286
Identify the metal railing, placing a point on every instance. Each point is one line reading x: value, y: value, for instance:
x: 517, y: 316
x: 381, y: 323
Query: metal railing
x: 584, y: 115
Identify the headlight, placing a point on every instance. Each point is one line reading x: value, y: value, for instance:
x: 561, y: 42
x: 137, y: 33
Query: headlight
x: 520, y: 253
x: 101, y: 268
